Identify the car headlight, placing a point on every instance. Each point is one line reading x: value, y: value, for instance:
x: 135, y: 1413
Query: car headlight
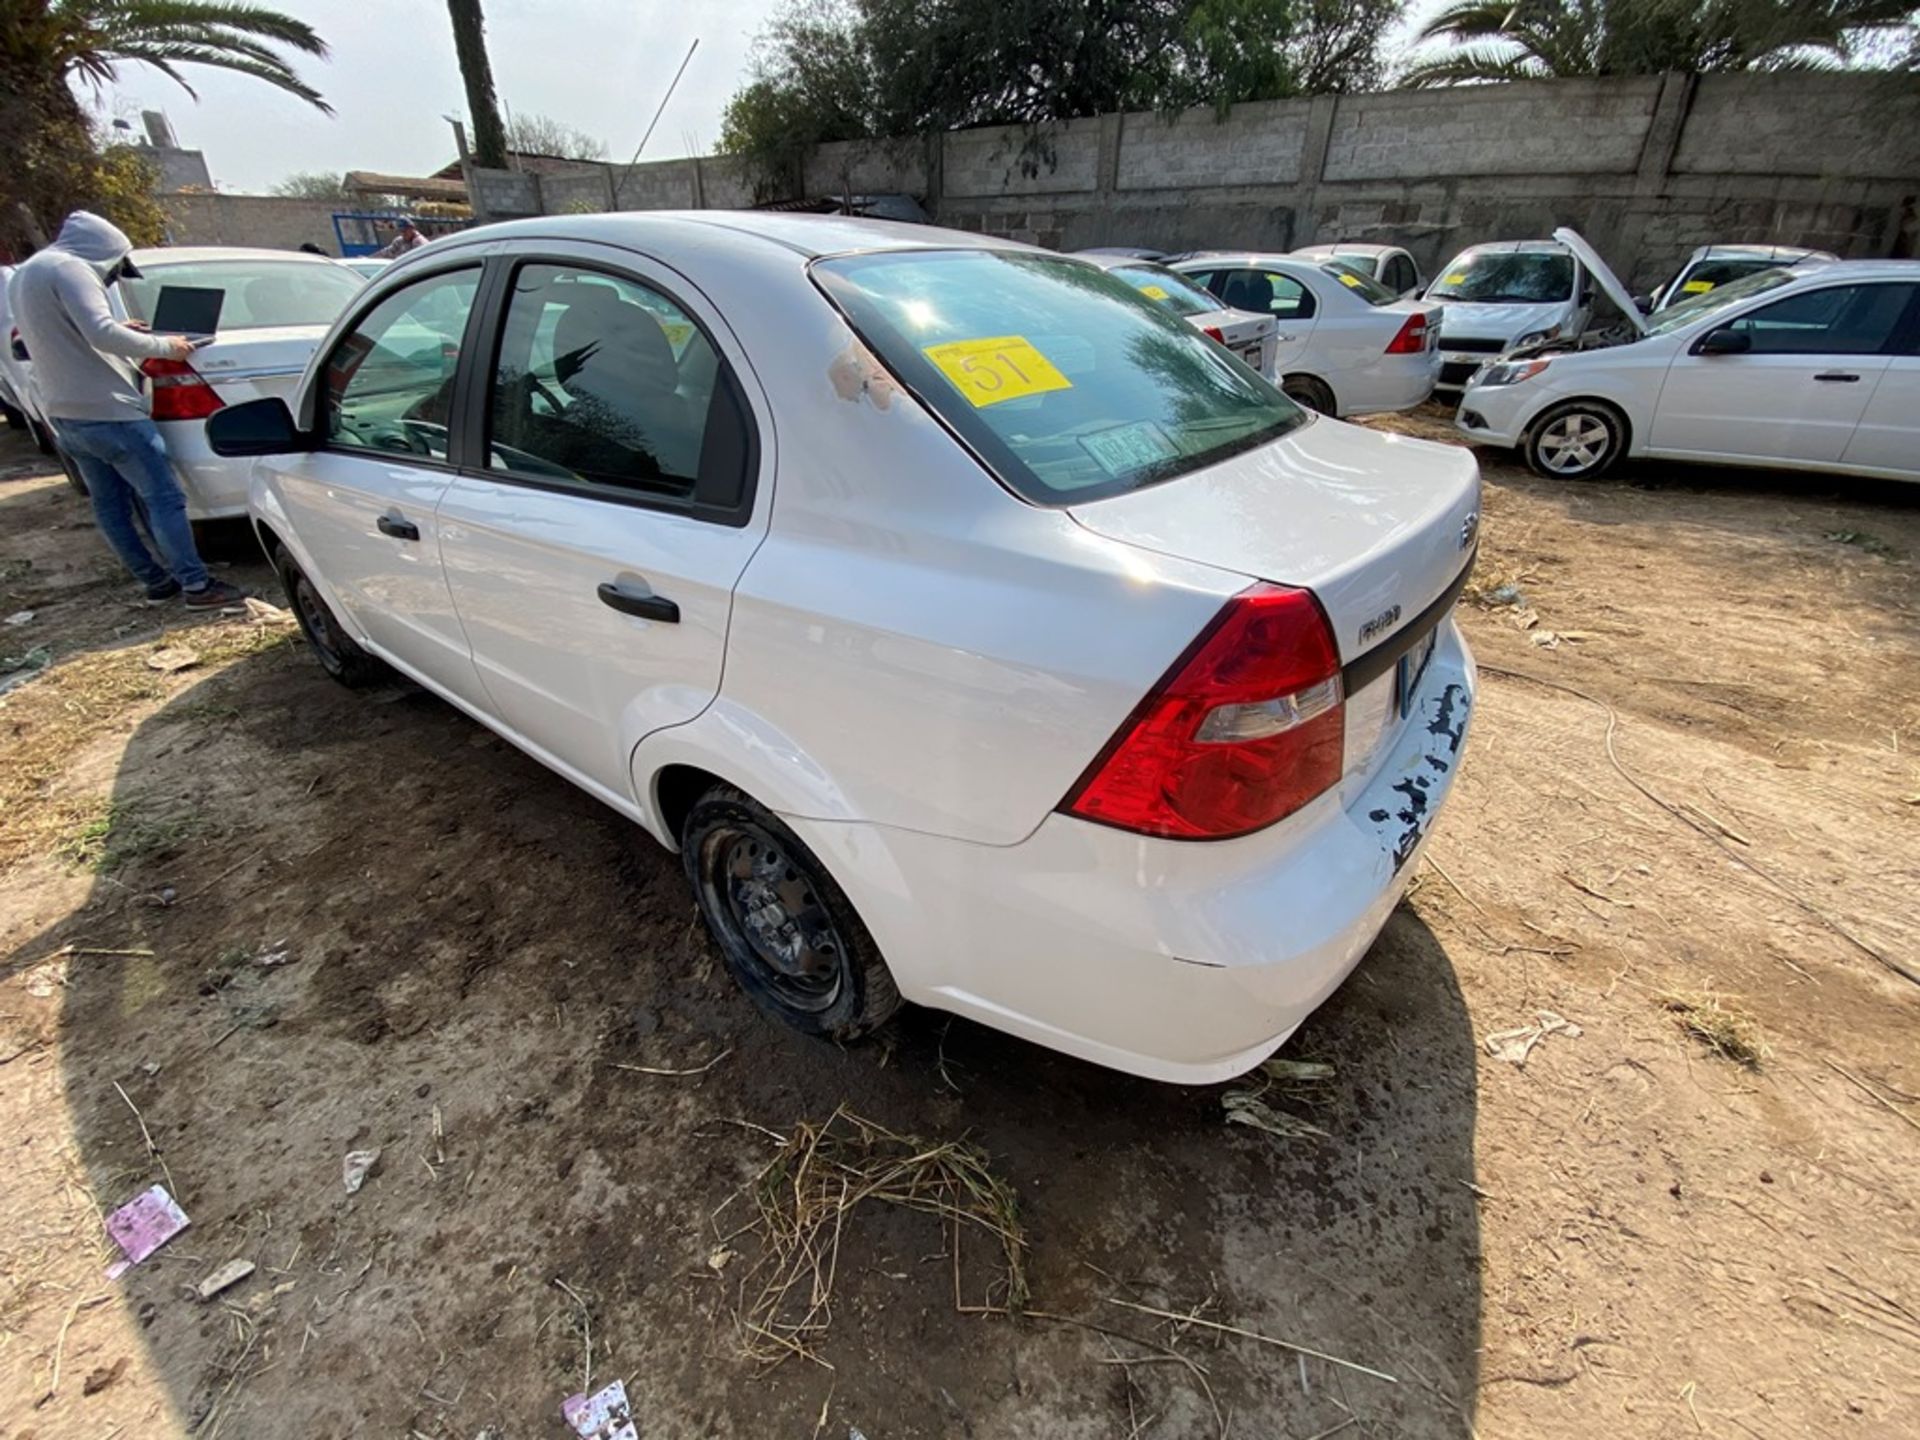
x: 1509, y: 372
x: 1536, y: 337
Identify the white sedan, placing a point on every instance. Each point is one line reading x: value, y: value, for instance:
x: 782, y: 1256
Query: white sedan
x: 1713, y: 265
x: 1247, y: 335
x: 1811, y: 368
x: 276, y: 304
x: 978, y: 632
x: 1347, y: 344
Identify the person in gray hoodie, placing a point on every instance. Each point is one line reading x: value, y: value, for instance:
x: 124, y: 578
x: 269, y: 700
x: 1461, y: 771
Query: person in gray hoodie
x: 87, y: 380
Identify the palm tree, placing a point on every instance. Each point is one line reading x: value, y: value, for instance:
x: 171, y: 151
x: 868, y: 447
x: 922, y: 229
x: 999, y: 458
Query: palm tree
x: 52, y: 164
x: 470, y: 45
x: 1542, y: 39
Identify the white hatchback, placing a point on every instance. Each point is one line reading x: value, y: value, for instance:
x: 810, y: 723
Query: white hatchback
x: 1816, y: 367
x: 977, y: 631
x: 1347, y: 345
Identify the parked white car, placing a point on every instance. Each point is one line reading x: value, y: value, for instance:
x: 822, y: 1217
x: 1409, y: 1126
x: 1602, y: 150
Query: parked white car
x: 1816, y: 367
x: 1347, y: 345
x: 278, y: 303
x: 1497, y: 297
x: 1392, y: 266
x: 1247, y: 335
x: 1713, y: 265
x: 16, y: 373
x: 976, y: 631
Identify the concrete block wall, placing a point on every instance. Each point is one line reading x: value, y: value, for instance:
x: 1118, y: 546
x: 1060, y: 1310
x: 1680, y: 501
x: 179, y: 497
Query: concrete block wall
x: 867, y: 167
x: 264, y: 220
x: 1259, y: 144
x: 1053, y: 160
x: 1854, y: 126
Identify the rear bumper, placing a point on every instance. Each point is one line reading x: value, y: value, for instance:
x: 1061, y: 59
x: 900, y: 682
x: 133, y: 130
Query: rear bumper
x: 1182, y: 962
x: 216, y: 487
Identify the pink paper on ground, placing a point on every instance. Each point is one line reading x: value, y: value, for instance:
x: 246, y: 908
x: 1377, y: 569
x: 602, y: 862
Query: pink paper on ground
x: 142, y: 1226
x: 605, y: 1416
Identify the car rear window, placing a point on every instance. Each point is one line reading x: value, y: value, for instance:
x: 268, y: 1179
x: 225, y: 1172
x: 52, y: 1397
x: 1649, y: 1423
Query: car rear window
x: 1176, y: 292
x: 1506, y: 277
x: 1066, y: 381
x: 1360, y: 282
x: 259, y: 293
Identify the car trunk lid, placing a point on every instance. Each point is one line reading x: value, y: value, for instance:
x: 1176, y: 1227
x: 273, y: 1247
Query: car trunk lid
x: 252, y: 364
x: 1381, y: 527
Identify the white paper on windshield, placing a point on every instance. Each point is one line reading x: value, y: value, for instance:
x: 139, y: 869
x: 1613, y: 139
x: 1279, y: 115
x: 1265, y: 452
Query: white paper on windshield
x: 1126, y: 448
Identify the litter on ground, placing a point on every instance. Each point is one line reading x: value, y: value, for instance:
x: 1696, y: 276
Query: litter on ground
x: 1243, y: 1107
x: 1514, y: 1046
x: 225, y: 1278
x: 605, y: 1416
x: 170, y: 659
x: 142, y: 1226
x: 356, y: 1167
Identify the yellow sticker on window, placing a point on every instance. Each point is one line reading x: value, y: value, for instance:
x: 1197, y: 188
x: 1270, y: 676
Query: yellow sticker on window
x: 1153, y: 292
x: 678, y: 332
x: 1004, y: 367
x: 1696, y: 287
x: 1459, y: 279
x: 1352, y: 282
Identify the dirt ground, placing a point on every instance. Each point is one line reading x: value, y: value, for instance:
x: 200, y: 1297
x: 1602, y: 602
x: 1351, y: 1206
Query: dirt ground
x: 1631, y: 1234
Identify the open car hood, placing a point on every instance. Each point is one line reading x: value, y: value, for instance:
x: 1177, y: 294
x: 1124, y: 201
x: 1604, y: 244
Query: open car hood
x: 1603, y: 276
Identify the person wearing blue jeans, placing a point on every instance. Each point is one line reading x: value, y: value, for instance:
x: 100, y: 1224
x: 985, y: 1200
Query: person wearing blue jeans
x: 92, y: 391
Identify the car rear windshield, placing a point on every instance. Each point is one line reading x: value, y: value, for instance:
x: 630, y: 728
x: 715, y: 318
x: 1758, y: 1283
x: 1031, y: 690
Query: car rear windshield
x: 1175, y: 291
x: 259, y: 293
x: 1360, y: 282
x: 1066, y: 381
x: 1506, y: 277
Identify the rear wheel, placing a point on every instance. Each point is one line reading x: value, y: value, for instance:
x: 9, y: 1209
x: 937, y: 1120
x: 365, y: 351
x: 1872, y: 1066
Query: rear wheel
x: 1579, y: 440
x: 1310, y: 391
x: 789, y: 935
x: 338, y: 653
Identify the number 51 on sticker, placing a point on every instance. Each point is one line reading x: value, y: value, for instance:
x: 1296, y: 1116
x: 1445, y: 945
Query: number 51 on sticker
x: 1004, y: 367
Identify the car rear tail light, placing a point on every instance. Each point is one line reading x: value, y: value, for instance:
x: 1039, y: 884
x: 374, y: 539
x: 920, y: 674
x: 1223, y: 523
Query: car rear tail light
x: 178, y: 391
x: 1246, y: 728
x: 1412, y: 339
x: 1214, y: 332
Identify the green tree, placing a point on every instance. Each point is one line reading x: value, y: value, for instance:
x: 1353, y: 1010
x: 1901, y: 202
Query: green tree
x: 476, y: 73
x: 54, y: 163
x: 1480, y: 40
x: 313, y: 185
x: 852, y: 69
x: 544, y: 135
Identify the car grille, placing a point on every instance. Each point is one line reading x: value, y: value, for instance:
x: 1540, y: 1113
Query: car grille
x: 1472, y: 347
x: 1458, y: 374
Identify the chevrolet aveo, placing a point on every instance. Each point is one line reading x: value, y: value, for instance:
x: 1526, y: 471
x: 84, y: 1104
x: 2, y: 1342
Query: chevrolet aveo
x: 978, y: 632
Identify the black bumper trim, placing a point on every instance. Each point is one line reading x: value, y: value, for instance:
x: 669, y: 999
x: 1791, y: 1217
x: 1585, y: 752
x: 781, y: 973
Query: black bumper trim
x: 1364, y: 669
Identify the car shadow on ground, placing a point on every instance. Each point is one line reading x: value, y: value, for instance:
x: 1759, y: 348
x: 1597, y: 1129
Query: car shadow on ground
x: 352, y: 922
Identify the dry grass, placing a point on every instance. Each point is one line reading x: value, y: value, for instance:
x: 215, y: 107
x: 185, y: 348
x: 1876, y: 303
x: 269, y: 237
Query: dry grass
x: 805, y: 1196
x: 1723, y: 1028
x: 46, y: 721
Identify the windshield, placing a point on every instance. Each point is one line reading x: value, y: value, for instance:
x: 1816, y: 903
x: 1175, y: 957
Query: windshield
x: 258, y: 293
x: 1176, y: 292
x: 1066, y: 382
x: 1673, y: 317
x: 1506, y: 277
x: 1360, y: 282
x: 1711, y: 274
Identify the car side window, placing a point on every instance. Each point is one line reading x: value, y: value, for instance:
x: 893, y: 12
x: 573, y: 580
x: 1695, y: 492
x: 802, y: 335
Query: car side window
x: 1399, y: 277
x: 1264, y: 292
x: 1838, y: 320
x: 389, y: 383
x: 608, y: 383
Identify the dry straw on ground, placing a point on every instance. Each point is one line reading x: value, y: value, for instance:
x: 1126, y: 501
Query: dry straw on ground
x: 1725, y: 1029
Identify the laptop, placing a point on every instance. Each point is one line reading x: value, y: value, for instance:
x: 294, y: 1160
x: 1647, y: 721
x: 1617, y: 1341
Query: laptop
x: 190, y: 310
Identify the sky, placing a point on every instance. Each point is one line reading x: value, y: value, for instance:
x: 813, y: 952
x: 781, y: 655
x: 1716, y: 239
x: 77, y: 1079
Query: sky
x: 598, y: 65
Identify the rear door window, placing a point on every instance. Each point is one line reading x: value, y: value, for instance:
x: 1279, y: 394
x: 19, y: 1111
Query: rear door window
x: 1264, y: 292
x: 1064, y: 380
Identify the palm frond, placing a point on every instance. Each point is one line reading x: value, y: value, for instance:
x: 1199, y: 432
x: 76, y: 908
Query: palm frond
x: 1474, y: 64
x: 273, y: 72
x: 146, y: 18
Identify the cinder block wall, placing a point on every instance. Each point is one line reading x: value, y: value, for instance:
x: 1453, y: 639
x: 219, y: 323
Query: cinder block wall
x: 1646, y: 167
x: 265, y: 220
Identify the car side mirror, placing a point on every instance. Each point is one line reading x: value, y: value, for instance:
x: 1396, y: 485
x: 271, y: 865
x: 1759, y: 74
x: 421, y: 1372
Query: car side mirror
x: 1724, y: 341
x: 258, y: 427
x: 1643, y: 303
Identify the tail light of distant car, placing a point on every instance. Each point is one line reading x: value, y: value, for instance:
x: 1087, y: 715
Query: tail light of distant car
x: 1245, y: 729
x: 1412, y: 339
x: 179, y: 392
x: 1214, y: 332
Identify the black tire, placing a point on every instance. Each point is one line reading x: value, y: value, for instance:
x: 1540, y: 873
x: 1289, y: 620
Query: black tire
x: 789, y: 935
x: 1580, y: 440
x: 339, y: 655
x: 1310, y: 391
x: 75, y: 480
x: 43, y: 438
x: 16, y: 419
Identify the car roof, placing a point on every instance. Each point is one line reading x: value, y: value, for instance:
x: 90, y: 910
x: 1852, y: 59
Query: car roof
x: 805, y: 236
x: 1515, y: 247
x: 1274, y: 258
x: 1346, y: 247
x: 1754, y: 252
x: 1859, y: 270
x: 200, y: 254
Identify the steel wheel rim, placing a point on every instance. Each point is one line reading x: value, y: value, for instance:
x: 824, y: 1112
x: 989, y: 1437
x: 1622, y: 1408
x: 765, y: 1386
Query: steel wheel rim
x: 1575, y: 442
x: 773, y: 916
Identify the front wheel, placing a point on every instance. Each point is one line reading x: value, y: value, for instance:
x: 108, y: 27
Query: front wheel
x: 1579, y: 440
x: 789, y: 935
x: 338, y: 653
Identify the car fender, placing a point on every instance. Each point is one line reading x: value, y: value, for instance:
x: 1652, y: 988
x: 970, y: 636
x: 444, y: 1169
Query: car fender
x: 266, y: 510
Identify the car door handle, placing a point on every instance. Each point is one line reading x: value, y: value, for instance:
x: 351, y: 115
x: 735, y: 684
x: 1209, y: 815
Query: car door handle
x: 1837, y: 377
x: 398, y: 529
x: 648, y: 607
